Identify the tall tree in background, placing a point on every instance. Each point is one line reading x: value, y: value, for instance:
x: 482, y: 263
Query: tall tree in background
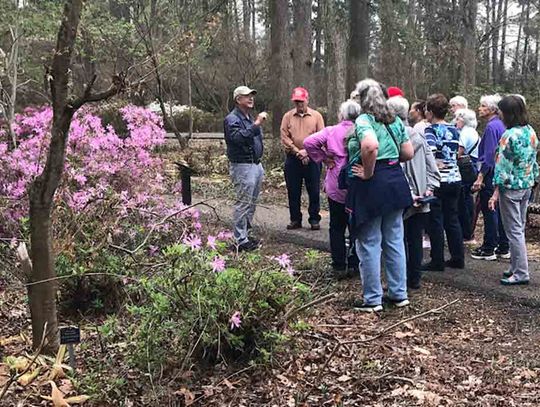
x: 469, y: 9
x: 279, y: 57
x: 502, y: 51
x: 334, y: 58
x: 358, y: 43
x: 302, y: 44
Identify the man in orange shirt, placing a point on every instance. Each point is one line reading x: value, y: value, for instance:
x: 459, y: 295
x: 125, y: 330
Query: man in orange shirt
x: 296, y: 125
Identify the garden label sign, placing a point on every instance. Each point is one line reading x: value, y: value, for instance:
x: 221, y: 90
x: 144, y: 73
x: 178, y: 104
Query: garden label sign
x: 70, y: 335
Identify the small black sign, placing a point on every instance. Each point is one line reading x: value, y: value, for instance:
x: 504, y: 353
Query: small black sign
x: 70, y: 334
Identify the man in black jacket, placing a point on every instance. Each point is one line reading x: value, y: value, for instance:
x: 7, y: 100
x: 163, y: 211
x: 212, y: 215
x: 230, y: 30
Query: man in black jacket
x: 243, y: 137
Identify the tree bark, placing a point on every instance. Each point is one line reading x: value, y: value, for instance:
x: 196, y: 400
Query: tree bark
x: 335, y: 60
x: 470, y: 9
x: 525, y: 56
x: 301, y: 52
x: 495, y: 67
x: 358, y: 45
x: 42, y: 295
x: 246, y: 15
x: 318, y: 73
x: 516, y: 55
x: 279, y: 23
x: 502, y: 69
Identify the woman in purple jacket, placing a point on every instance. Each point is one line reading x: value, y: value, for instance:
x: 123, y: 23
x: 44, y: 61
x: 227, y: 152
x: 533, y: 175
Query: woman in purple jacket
x: 328, y: 146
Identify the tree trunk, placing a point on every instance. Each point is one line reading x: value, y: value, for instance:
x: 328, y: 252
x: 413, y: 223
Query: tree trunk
x: 301, y: 52
x: 279, y: 17
x: 335, y: 60
x: 246, y: 15
x: 42, y: 294
x: 497, y: 22
x: 525, y: 57
x: 470, y: 9
x: 502, y: 69
x: 319, y: 96
x: 516, y: 55
x: 487, y: 54
x: 253, y: 21
x: 358, y: 46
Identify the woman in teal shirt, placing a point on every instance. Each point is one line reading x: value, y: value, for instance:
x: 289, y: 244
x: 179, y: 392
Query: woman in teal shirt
x: 516, y: 170
x: 378, y: 193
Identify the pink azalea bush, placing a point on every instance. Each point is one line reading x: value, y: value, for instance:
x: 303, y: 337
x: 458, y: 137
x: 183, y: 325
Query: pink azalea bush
x: 102, y: 171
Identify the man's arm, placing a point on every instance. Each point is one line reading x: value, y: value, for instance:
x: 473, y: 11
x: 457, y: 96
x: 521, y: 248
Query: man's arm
x: 286, y: 139
x: 490, y: 142
x: 320, y: 122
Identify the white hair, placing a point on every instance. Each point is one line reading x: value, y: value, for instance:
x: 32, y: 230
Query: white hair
x: 372, y: 97
x: 459, y: 100
x: 468, y: 116
x: 521, y: 97
x: 399, y: 106
x: 491, y: 102
x: 349, y: 110
x: 354, y: 95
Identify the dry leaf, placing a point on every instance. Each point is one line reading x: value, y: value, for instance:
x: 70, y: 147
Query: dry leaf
x: 28, y: 377
x: 58, y: 399
x: 401, y: 335
x: 9, y: 340
x: 228, y: 384
x: 189, y: 397
x: 344, y: 378
x: 422, y: 350
x: 427, y: 397
x: 78, y: 399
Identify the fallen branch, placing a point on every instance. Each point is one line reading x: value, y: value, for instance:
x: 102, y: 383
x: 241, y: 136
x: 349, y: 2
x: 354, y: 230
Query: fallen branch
x: 319, y: 300
x: 17, y: 376
x: 372, y: 338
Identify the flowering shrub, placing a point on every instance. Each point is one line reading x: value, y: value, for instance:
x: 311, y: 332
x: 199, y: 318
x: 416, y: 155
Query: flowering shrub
x: 203, y: 305
x: 101, y: 170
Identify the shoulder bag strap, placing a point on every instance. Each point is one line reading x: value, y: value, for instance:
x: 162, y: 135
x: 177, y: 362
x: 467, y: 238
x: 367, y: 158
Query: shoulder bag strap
x: 389, y: 129
x: 473, y: 147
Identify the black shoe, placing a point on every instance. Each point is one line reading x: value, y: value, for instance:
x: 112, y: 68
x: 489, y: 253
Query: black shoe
x: 398, y: 303
x: 294, y: 225
x: 507, y: 274
x: 455, y: 264
x: 502, y: 253
x: 413, y: 285
x: 315, y: 226
x: 249, y: 246
x: 432, y: 267
x: 483, y: 254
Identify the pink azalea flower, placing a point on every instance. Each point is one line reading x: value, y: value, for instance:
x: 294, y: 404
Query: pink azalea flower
x: 211, y: 242
x: 284, y: 260
x: 194, y: 242
x: 235, y: 320
x: 224, y: 235
x: 197, y: 226
x: 218, y: 264
x: 290, y: 270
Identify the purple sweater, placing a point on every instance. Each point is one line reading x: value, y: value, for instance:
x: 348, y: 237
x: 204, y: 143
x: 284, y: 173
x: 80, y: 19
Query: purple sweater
x: 329, y: 143
x: 489, y: 143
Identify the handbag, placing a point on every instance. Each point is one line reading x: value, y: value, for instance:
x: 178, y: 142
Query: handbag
x: 466, y: 166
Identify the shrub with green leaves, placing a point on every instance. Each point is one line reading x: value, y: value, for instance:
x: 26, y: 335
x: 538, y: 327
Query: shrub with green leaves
x: 204, y: 306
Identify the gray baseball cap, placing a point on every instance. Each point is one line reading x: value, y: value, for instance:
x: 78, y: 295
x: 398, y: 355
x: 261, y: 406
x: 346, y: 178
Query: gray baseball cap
x: 243, y: 91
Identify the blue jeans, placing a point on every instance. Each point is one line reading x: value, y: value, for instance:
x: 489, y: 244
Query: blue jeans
x: 295, y: 174
x: 247, y: 180
x: 383, y: 233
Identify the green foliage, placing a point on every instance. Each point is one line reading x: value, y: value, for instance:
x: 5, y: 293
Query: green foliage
x: 186, y: 309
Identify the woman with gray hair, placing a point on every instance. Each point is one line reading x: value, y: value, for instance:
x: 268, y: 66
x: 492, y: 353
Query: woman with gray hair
x: 377, y: 195
x: 328, y: 145
x: 423, y: 177
x: 469, y: 140
x: 495, y: 243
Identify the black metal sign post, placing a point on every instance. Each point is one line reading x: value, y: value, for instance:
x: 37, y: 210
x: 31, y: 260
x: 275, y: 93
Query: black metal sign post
x: 70, y: 335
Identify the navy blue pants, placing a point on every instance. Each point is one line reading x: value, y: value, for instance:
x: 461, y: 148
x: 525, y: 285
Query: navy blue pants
x: 443, y: 218
x: 295, y: 174
x: 466, y: 211
x: 494, y: 234
x: 414, y: 231
x: 339, y: 221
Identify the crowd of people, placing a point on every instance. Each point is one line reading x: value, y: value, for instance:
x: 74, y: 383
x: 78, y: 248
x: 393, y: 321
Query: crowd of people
x: 394, y: 172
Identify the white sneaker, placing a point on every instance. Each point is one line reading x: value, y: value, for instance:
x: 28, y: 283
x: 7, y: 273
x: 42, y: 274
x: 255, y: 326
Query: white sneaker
x: 399, y: 303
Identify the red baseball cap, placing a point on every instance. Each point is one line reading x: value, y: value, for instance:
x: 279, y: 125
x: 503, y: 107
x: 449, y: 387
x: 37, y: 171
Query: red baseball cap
x: 299, y: 94
x: 395, y: 91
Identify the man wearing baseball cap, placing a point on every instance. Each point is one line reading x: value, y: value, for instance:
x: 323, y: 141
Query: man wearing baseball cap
x: 296, y: 125
x: 243, y: 137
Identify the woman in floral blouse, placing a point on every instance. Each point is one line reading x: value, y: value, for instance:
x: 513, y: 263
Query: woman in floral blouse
x: 516, y: 170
